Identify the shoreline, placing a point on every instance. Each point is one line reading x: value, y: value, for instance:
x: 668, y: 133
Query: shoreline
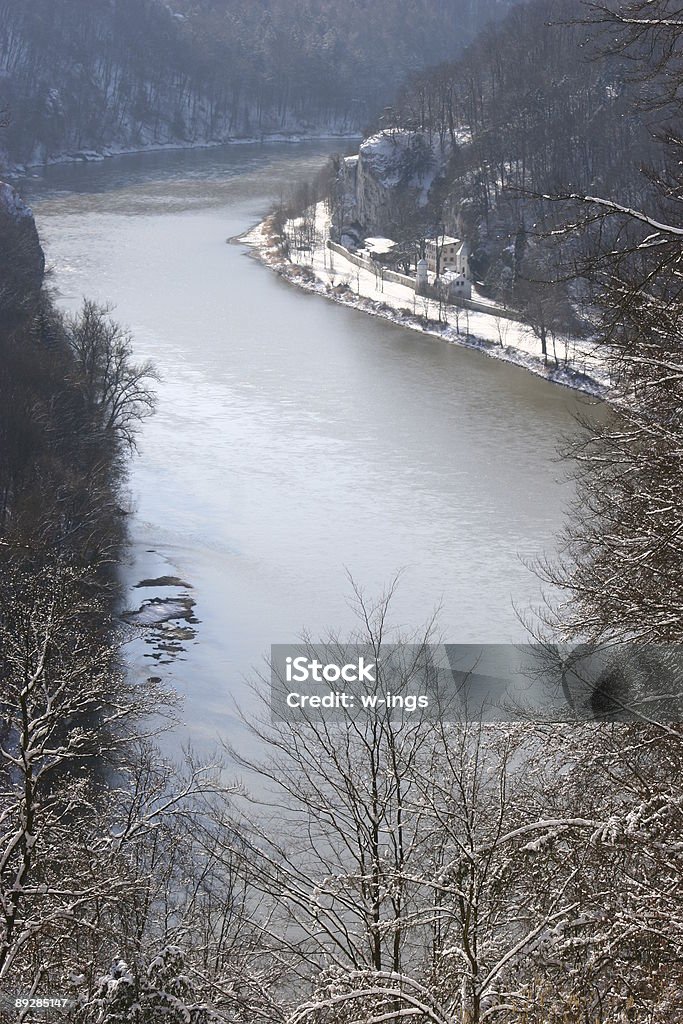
x: 261, y: 245
x: 109, y: 152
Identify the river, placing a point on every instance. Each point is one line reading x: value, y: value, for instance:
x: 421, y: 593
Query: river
x: 295, y: 440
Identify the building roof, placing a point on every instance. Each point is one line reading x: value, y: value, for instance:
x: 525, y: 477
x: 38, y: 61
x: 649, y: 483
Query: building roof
x: 444, y: 240
x: 379, y: 244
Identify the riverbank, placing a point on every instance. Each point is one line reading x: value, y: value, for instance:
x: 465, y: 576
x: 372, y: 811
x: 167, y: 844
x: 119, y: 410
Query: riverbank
x: 95, y: 155
x: 574, y: 364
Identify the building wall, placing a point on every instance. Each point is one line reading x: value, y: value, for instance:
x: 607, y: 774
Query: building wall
x: 453, y: 257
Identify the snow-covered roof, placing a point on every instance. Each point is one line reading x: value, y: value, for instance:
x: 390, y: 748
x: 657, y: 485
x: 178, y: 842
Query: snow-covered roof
x: 443, y: 240
x: 379, y: 244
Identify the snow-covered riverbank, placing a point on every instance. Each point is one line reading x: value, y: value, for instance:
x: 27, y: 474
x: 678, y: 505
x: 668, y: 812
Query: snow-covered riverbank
x: 106, y: 152
x: 329, y: 274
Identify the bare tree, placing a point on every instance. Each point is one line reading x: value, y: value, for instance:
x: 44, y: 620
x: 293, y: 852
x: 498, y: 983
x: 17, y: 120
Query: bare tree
x: 111, y: 892
x: 118, y: 393
x: 406, y: 865
x: 59, y: 703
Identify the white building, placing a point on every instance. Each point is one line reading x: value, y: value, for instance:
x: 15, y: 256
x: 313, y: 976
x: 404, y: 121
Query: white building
x: 456, y: 286
x: 451, y: 253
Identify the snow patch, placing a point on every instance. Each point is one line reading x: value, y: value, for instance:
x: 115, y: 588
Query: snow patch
x: 12, y: 205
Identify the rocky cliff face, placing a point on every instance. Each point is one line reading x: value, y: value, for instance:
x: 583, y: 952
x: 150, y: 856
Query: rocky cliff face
x: 386, y: 188
x: 22, y: 261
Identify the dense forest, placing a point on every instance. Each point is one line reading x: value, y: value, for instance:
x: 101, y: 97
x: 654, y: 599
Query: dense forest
x: 92, y: 74
x: 569, y: 188
x: 542, y: 111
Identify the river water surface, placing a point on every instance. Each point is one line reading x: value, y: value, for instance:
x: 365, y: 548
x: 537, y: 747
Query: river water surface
x: 295, y: 440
